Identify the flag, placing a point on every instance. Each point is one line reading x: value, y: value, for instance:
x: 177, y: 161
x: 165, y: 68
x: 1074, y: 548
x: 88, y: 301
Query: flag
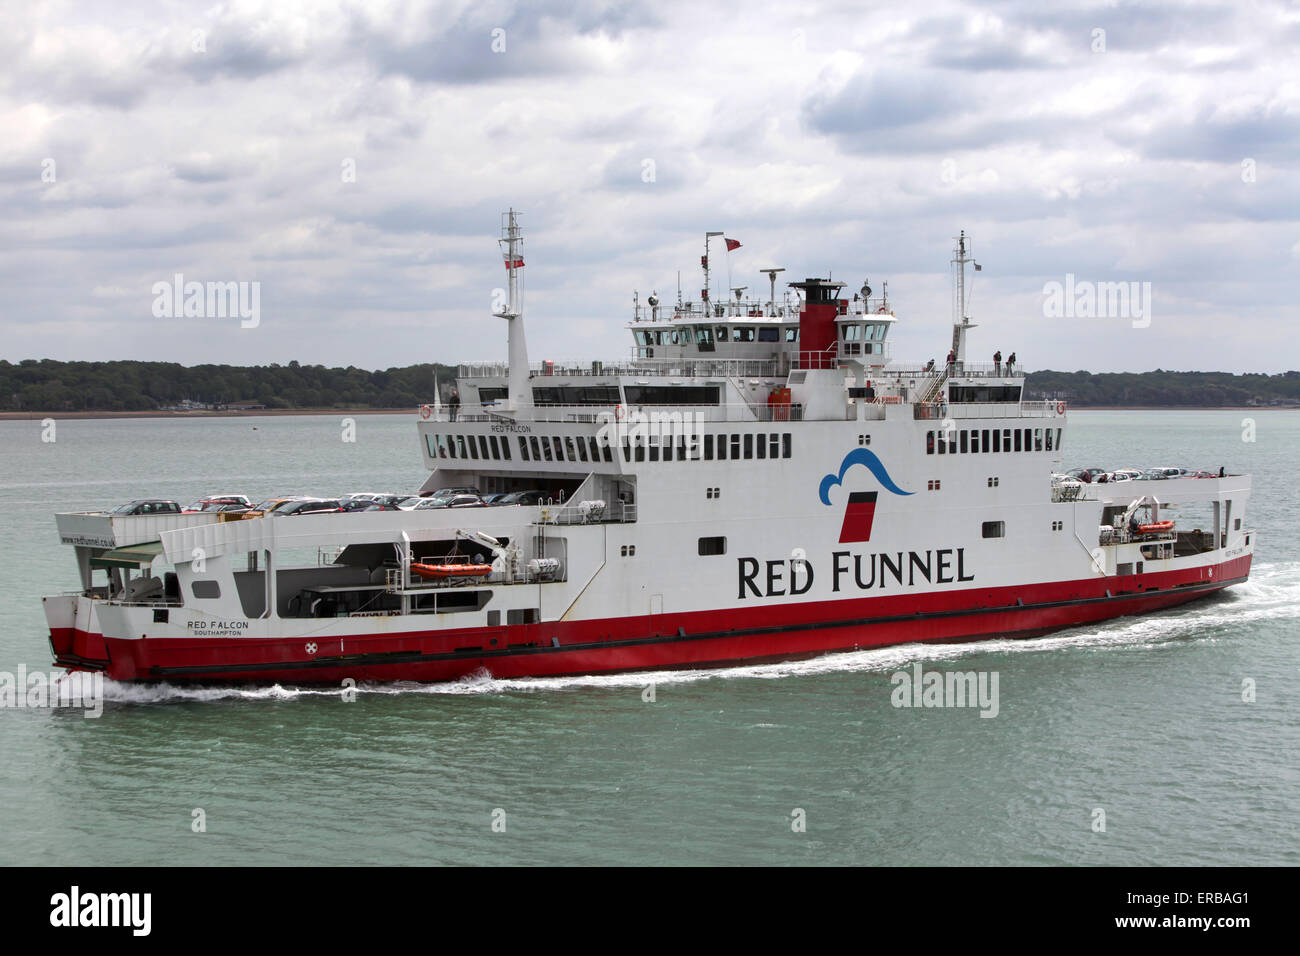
x: 978, y: 267
x: 732, y: 245
x: 517, y: 264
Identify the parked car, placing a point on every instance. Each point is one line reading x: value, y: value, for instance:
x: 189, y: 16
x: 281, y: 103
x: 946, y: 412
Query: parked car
x: 442, y: 492
x: 523, y: 498
x: 219, y: 503
x: 308, y: 506
x: 1154, y: 474
x: 270, y: 505
x: 1125, y: 474
x: 1171, y: 472
x: 1086, y: 475
x: 147, y: 506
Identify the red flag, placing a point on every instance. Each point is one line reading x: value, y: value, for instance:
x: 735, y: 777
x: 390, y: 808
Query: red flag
x: 518, y: 263
x: 732, y: 245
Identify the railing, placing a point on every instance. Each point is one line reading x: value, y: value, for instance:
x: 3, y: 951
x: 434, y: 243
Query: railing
x: 613, y: 415
x: 658, y: 368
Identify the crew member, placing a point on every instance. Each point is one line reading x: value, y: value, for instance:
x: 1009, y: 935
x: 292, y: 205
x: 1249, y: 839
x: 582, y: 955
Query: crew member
x: 1011, y: 362
x: 997, y: 362
x: 453, y: 404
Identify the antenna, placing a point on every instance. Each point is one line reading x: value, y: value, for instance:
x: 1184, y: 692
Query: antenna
x: 960, y: 320
x: 771, y: 276
x: 705, y: 262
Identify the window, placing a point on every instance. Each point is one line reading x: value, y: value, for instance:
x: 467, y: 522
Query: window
x: 1058, y: 439
x: 708, y: 448
x: 482, y: 447
x: 965, y: 441
x: 997, y: 440
x: 785, y: 445
x: 1038, y: 439
x: 628, y: 550
x: 712, y: 492
x: 495, y: 449
x: 559, y: 449
x: 546, y: 449
x: 984, y: 440
x: 654, y: 447
x: 993, y: 482
x: 762, y: 446
x: 581, y: 447
x: 929, y: 443
x: 735, y: 447
x: 792, y: 335
x: 206, y: 590
x: 1017, y: 434
x: 932, y: 484
x: 994, y: 529
x: 704, y: 338
x: 1029, y: 439
x: 742, y: 333
x: 773, y: 445
x: 1049, y: 439
x: 864, y: 439
x: 523, y: 448
x: 722, y: 448
x: 749, y: 446
x: 537, y: 449
x: 769, y: 335
x: 1236, y: 524
x: 711, y: 546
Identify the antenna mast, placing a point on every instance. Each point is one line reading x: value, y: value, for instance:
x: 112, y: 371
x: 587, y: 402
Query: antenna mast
x: 771, y: 276
x: 512, y: 242
x: 960, y: 320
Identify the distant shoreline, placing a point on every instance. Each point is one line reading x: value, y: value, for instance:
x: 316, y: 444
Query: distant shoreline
x: 275, y: 412
x: 156, y: 413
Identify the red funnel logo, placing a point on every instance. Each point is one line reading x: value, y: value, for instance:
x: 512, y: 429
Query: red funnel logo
x: 858, y: 515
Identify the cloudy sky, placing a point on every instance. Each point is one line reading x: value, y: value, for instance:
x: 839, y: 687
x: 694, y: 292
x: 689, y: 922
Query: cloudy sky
x: 353, y: 158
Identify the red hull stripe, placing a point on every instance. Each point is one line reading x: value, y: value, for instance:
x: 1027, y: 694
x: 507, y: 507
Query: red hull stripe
x: 388, y: 659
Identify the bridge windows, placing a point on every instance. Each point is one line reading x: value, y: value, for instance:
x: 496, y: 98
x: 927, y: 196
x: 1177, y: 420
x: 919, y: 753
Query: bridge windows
x: 994, y: 529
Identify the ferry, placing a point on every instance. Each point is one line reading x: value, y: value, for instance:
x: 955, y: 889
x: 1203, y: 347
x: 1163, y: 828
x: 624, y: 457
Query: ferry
x: 757, y: 480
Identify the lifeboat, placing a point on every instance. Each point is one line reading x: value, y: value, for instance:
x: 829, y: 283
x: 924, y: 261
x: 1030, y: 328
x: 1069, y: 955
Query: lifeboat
x: 1150, y: 528
x: 448, y: 572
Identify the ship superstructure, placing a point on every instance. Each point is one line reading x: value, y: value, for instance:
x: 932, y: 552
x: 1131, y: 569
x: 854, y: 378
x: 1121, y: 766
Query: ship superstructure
x: 757, y: 480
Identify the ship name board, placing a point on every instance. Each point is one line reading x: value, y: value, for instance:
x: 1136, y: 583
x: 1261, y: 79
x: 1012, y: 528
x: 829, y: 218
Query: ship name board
x: 795, y: 576
x: 525, y: 429
x: 216, y: 628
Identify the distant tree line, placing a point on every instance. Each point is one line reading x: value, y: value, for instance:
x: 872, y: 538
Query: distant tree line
x: 47, y: 385
x: 1163, y: 387
x: 50, y: 386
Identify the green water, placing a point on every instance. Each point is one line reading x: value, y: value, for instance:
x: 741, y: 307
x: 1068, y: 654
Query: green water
x: 1142, y: 718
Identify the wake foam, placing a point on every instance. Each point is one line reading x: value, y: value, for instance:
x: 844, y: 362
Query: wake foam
x: 1272, y: 593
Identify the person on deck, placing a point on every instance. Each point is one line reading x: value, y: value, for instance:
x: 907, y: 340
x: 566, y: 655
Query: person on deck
x: 1011, y: 363
x: 952, y: 360
x: 997, y: 362
x: 453, y: 404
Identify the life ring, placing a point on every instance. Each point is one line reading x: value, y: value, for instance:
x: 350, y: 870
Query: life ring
x: 1060, y: 408
x: 618, y: 413
x: 425, y: 411
x: 881, y: 310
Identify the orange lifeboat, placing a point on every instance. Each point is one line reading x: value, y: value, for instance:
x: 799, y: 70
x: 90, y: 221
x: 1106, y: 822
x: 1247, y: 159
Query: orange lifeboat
x: 1156, y: 527
x: 446, y: 572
